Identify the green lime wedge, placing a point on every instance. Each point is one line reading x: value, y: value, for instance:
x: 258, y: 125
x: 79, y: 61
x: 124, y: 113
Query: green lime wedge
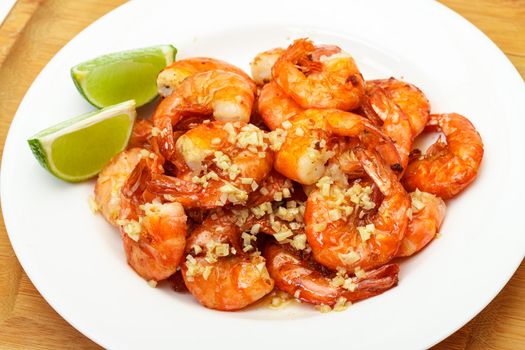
x: 122, y: 76
x: 77, y: 149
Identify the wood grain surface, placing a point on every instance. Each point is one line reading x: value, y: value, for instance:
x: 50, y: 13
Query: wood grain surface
x: 36, y: 29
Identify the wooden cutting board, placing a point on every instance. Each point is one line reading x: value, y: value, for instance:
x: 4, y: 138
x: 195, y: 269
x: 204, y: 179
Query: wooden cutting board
x: 36, y: 29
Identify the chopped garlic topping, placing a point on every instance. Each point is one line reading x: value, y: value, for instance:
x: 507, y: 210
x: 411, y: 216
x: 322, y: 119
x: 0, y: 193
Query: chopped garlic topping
x: 280, y: 300
x: 299, y: 241
x: 360, y: 196
x: 234, y: 194
x: 132, y: 228
x: 247, y: 240
x: 282, y: 235
x: 286, y: 124
x: 350, y: 257
x: 418, y: 200
x: 152, y: 283
x: 323, y: 308
x: 276, y: 138
x: 366, y: 231
x: 359, y: 272
x: 341, y: 304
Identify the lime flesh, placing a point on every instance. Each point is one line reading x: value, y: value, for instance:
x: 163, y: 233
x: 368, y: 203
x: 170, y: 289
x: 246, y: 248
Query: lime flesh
x: 121, y: 76
x: 79, y: 148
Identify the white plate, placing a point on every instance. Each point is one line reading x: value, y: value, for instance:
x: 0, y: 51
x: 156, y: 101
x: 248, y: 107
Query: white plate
x: 76, y: 261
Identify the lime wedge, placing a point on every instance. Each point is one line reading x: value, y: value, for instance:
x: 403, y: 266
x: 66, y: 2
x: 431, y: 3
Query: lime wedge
x: 122, y: 76
x: 77, y: 149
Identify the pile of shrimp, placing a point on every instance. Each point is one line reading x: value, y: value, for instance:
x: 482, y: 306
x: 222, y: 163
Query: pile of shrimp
x: 301, y: 180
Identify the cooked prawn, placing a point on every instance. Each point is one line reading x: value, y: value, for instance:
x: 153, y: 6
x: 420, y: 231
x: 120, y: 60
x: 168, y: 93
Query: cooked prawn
x: 275, y: 106
x: 395, y: 123
x: 409, y: 98
x: 225, y: 95
x: 113, y: 177
x: 218, y: 163
x: 428, y: 212
x: 153, y: 233
x: 344, y: 232
x: 173, y: 75
x: 219, y: 275
x: 333, y: 81
x: 302, y: 280
x: 307, y: 145
x: 447, y: 168
x: 263, y: 63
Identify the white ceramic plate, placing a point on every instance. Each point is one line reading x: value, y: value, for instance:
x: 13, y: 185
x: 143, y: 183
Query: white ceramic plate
x: 76, y: 261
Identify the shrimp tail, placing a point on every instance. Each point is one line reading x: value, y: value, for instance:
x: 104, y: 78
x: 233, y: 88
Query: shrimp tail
x: 374, y: 168
x: 375, y: 282
x: 176, y: 189
x: 353, y: 125
x: 137, y: 180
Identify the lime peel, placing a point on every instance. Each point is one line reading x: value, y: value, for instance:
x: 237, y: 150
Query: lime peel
x: 121, y: 76
x: 77, y: 149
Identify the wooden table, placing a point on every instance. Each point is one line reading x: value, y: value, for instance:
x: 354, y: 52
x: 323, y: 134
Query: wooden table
x: 36, y: 29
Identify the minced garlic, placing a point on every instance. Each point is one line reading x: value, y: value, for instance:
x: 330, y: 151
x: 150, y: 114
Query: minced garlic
x: 341, y: 304
x: 366, y: 231
x: 152, y: 283
x: 299, y: 241
x: 350, y: 257
x: 323, y: 308
x: 133, y: 229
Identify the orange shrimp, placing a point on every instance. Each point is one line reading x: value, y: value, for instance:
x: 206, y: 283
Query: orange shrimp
x: 428, y: 212
x: 341, y: 227
x: 113, y: 177
x: 275, y: 106
x: 216, y: 271
x: 173, y: 75
x: 154, y: 234
x: 297, y: 277
x: 395, y: 123
x: 409, y: 98
x: 218, y: 163
x: 447, y: 168
x: 225, y: 95
x: 141, y: 134
x: 307, y: 145
x: 333, y: 81
x: 262, y: 64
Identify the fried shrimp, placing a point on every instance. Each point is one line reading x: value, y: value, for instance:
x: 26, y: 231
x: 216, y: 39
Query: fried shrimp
x: 173, y: 75
x: 409, y: 98
x: 332, y: 81
x: 341, y: 227
x: 297, y: 277
x: 216, y: 271
x: 225, y: 95
x: 113, y: 177
x: 307, y: 145
x: 218, y: 163
x: 153, y: 233
x: 428, y: 212
x: 447, y: 168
